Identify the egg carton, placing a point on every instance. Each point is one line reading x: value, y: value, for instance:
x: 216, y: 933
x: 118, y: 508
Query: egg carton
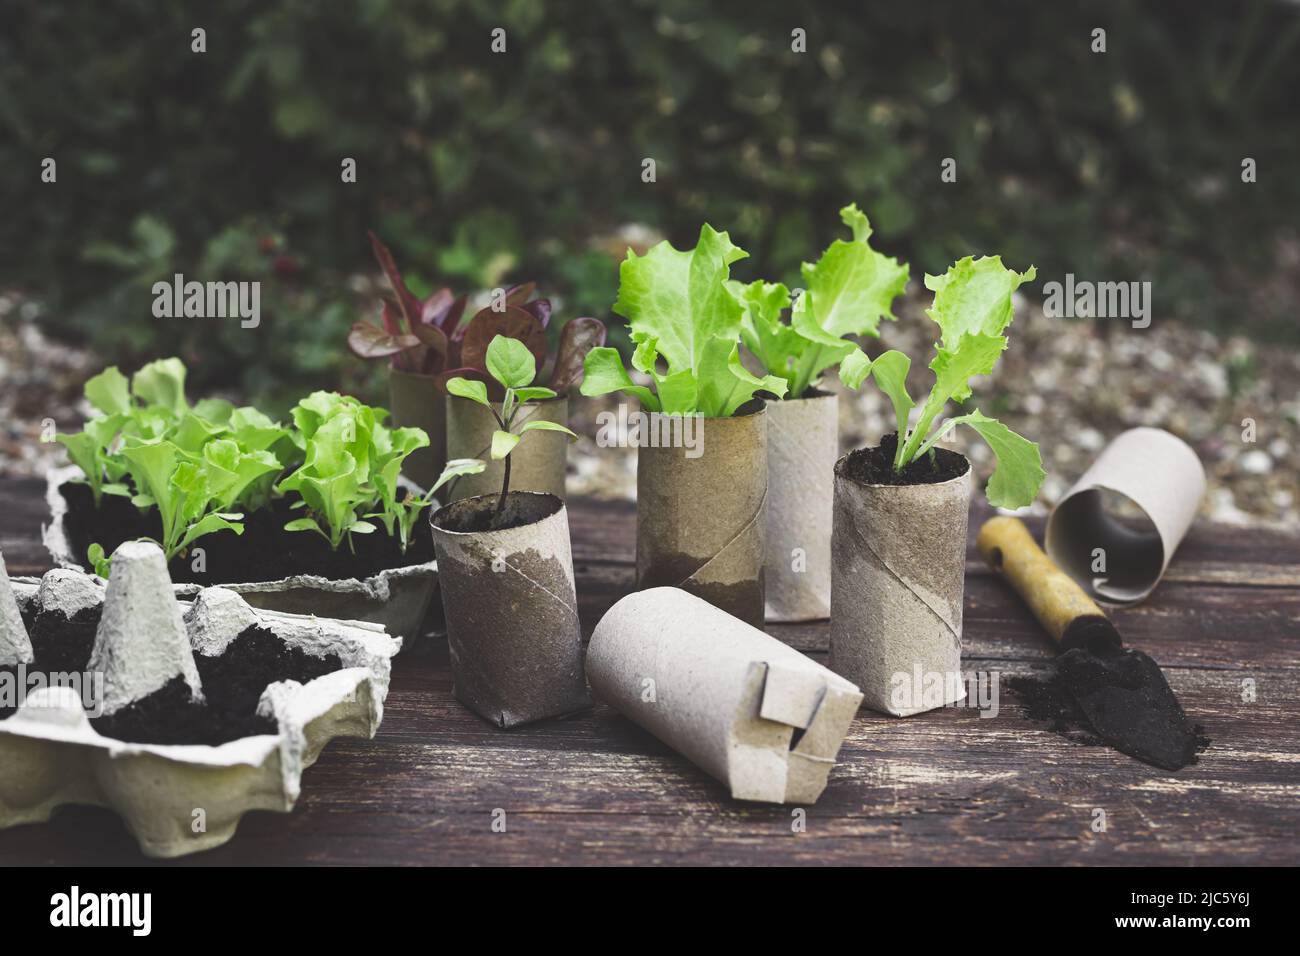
x: 174, y: 798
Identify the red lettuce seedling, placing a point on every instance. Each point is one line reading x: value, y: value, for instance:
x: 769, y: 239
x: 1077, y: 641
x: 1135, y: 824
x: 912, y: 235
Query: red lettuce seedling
x: 429, y: 337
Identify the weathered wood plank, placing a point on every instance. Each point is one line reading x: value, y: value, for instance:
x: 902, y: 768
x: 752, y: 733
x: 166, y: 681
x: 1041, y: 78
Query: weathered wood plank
x: 22, y: 510
x: 946, y: 787
x: 941, y: 788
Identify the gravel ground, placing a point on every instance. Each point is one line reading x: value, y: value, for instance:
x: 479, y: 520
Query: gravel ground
x: 1070, y: 385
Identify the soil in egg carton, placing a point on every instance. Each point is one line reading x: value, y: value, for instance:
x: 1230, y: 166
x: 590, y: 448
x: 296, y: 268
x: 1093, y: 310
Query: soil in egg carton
x: 232, y: 683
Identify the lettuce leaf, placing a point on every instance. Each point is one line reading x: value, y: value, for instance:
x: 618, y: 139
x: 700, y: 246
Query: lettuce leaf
x: 1019, y: 472
x: 682, y: 315
x: 848, y: 291
x: 972, y: 307
x: 852, y: 286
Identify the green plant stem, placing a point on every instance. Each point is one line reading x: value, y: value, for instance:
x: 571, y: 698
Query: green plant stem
x: 505, y: 483
x: 505, y: 490
x: 907, y: 452
x: 802, y: 377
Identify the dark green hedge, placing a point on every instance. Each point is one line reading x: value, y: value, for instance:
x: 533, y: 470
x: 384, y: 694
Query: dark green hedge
x: 479, y: 166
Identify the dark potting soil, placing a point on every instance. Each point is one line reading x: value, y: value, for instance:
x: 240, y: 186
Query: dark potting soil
x: 60, y: 645
x: 875, y: 466
x: 232, y: 685
x: 476, y: 515
x: 264, y: 552
x: 1142, y: 718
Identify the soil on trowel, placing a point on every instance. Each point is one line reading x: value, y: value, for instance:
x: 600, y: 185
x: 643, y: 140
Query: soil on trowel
x: 232, y: 685
x: 1141, y: 722
x: 875, y: 466
x: 264, y: 552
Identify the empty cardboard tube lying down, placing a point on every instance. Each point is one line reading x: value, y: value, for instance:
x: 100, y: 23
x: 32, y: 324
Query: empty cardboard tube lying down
x: 757, y: 715
x: 1117, y: 561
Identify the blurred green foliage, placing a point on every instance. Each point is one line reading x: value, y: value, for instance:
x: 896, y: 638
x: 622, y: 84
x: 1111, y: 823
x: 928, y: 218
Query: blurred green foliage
x: 477, y: 167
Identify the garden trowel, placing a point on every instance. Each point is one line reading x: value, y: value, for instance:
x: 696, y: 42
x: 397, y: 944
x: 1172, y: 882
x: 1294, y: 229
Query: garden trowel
x: 1120, y: 691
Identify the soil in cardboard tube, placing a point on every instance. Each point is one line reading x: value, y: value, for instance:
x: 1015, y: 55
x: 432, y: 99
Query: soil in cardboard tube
x: 264, y: 552
x: 477, y: 515
x: 232, y: 683
x: 875, y: 466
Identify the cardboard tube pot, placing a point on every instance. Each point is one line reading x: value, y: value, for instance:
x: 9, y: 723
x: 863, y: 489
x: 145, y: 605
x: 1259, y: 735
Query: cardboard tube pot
x: 1119, y: 558
x: 512, y: 618
x: 537, y: 464
x: 898, y: 565
x: 757, y: 715
x: 802, y: 445
x: 700, y: 508
x: 415, y: 402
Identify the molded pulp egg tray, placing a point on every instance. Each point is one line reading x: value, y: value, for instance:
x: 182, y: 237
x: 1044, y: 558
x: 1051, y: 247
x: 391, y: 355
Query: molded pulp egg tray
x: 181, y: 715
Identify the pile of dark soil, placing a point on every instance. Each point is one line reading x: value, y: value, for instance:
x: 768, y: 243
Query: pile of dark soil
x: 875, y: 466
x: 1141, y: 723
x: 264, y: 552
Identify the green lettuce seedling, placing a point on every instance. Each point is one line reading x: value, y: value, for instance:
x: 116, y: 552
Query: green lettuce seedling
x: 511, y: 363
x: 203, y: 466
x: 350, y: 463
x: 92, y: 449
x: 846, y: 292
x: 681, y: 312
x: 400, y: 516
x: 193, y: 493
x: 972, y: 307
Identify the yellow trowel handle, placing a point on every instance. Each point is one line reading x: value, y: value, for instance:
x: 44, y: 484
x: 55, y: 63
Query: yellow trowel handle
x: 1060, y: 605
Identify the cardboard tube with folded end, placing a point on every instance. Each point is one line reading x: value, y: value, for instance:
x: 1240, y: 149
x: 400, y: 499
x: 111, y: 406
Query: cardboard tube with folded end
x: 898, y: 568
x: 512, y: 618
x: 700, y: 511
x: 538, y: 462
x: 1119, y: 561
x: 802, y: 445
x: 415, y: 402
x: 757, y: 715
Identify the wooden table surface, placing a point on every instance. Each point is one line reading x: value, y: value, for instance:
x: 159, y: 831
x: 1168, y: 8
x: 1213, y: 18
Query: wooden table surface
x: 939, y: 788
